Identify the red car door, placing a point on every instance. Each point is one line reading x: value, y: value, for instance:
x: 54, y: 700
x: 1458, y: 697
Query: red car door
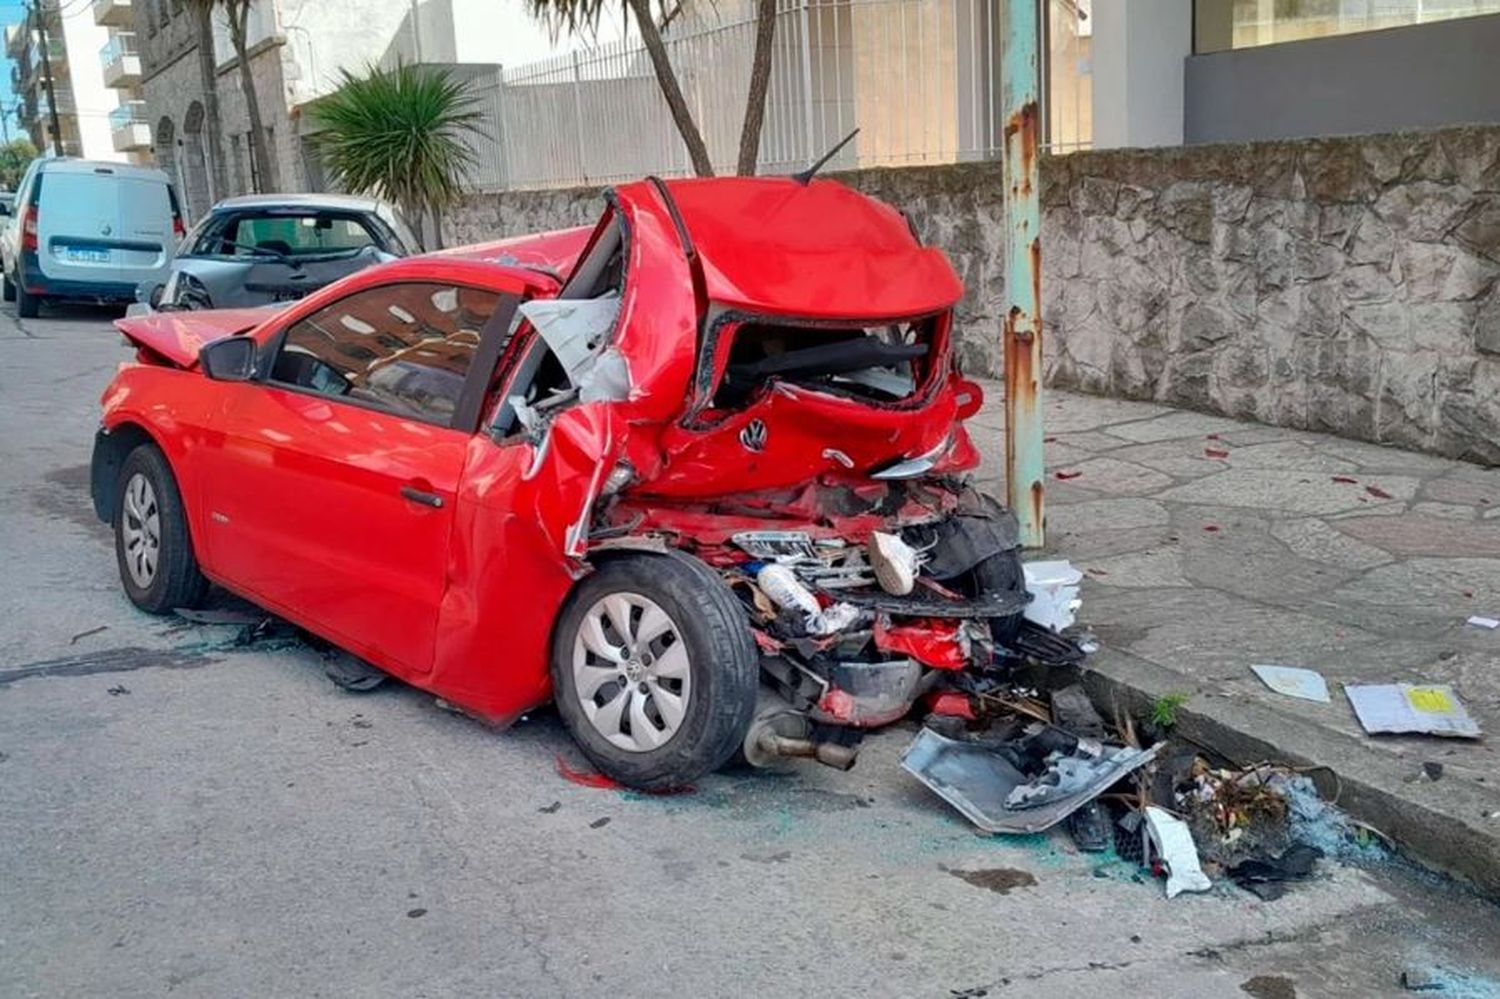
x: 330, y: 487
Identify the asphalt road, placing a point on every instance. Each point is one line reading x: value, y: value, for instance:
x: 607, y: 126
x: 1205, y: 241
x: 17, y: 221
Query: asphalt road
x: 181, y: 816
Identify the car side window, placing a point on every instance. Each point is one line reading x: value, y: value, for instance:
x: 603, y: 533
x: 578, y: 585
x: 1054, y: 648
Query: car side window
x: 404, y: 348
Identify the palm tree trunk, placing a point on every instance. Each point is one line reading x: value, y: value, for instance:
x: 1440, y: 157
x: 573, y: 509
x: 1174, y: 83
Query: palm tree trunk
x: 265, y: 167
x: 760, y: 82
x: 667, y: 80
x: 208, y: 81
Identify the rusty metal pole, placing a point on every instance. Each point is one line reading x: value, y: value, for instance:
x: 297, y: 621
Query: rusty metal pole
x: 1019, y: 92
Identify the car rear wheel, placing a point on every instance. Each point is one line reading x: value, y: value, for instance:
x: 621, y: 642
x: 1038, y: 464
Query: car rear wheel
x: 152, y: 546
x: 7, y: 290
x: 28, y: 306
x: 654, y: 670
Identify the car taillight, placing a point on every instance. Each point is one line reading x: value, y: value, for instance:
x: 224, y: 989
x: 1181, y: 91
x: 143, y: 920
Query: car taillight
x: 28, y: 230
x: 177, y: 227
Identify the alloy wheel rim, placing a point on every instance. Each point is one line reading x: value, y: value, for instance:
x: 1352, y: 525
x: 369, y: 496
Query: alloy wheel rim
x: 630, y: 671
x: 140, y: 529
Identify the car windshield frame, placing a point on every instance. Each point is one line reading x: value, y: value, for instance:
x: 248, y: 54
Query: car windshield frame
x: 211, y: 233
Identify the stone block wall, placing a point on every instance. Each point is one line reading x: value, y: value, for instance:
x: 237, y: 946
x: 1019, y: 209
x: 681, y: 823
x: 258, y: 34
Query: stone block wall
x: 1346, y: 284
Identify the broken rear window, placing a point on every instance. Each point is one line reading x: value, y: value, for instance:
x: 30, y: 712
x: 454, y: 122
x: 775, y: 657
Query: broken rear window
x: 886, y: 362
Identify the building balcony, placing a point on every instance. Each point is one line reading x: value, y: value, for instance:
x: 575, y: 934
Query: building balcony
x: 122, y: 64
x: 57, y: 54
x: 17, y: 36
x: 114, y: 13
x: 129, y: 128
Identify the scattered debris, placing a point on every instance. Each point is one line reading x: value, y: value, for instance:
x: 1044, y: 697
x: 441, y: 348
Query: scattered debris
x: 1072, y: 710
x: 1294, y: 681
x: 895, y: 563
x: 1345, y: 480
x: 218, y: 615
x: 86, y: 634
x: 599, y: 823
x: 352, y: 673
x: 415, y: 913
x: 1269, y: 987
x: 118, y: 689
x: 1432, y: 709
x: 1377, y: 492
x: 1213, y: 452
x: 1211, y: 528
x: 1169, y: 840
x: 1024, y: 784
x: 1267, y: 878
x: 1065, y: 476
x: 1420, y: 980
x: 1091, y: 828
x: 1488, y: 623
x: 550, y: 809
x: 1432, y: 770
x: 1054, y: 593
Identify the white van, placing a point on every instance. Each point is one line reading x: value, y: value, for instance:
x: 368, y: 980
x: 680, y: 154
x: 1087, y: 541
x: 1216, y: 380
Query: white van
x: 89, y: 231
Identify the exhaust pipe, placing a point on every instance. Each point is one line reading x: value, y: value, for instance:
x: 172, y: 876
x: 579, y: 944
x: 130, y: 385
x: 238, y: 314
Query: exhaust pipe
x: 779, y: 732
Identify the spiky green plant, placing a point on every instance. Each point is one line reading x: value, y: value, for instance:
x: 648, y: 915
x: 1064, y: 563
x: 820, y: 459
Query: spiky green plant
x: 400, y: 135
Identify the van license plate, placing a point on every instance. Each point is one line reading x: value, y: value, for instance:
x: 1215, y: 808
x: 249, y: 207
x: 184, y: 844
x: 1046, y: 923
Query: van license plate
x: 86, y: 255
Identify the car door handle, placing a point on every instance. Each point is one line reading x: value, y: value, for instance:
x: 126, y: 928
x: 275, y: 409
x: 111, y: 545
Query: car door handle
x: 421, y: 496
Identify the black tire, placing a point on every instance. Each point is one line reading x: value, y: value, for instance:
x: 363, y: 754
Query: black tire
x: 7, y: 290
x: 722, y: 664
x: 28, y: 306
x: 175, y: 581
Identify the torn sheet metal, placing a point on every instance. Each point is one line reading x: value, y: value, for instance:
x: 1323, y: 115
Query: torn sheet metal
x: 1171, y: 841
x: 977, y: 781
x: 1293, y: 681
x: 1429, y: 709
x: 939, y: 643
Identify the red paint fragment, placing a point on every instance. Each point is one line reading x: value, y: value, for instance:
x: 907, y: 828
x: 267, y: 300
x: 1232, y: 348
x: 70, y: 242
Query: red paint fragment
x: 837, y: 705
x: 1049, y: 440
x: 766, y: 643
x: 1064, y: 476
x: 1211, y: 437
x: 1345, y: 480
x: 1469, y: 594
x: 1214, y: 452
x: 951, y: 704
x: 1211, y: 528
x: 1377, y: 492
x: 1098, y: 572
x: 929, y: 640
x: 586, y: 778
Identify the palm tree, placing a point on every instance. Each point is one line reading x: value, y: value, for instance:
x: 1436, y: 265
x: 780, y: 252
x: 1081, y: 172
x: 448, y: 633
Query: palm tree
x: 574, y: 16
x: 237, y: 14
x: 400, y: 135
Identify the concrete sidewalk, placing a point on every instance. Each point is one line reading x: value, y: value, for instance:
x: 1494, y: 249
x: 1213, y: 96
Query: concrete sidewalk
x: 1210, y: 544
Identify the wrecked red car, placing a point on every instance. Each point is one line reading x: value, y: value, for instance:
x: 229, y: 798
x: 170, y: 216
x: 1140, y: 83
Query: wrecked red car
x: 695, y: 474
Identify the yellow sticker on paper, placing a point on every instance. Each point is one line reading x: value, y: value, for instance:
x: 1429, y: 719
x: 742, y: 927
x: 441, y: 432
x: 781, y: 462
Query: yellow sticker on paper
x: 1429, y: 700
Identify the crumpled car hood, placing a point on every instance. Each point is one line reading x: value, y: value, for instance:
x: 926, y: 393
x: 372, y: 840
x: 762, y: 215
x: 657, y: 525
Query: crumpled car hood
x: 178, y: 336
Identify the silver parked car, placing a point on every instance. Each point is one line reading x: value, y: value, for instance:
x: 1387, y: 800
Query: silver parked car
x: 266, y: 248
x: 87, y: 231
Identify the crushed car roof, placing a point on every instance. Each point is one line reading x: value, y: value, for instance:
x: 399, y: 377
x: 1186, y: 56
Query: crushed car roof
x: 299, y: 202
x: 816, y: 250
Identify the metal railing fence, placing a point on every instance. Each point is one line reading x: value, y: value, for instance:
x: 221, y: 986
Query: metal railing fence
x: 919, y: 78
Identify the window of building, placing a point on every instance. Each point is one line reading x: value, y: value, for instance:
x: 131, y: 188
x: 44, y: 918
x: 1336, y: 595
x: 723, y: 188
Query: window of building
x: 1220, y: 25
x: 1069, y: 96
x: 403, y: 348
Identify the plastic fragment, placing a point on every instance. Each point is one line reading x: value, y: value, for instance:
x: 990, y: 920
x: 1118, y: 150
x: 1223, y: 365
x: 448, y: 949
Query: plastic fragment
x: 1294, y: 681
x: 1053, y: 587
x: 1172, y: 842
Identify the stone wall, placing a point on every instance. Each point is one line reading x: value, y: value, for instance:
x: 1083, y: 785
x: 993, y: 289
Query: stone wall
x: 1344, y: 284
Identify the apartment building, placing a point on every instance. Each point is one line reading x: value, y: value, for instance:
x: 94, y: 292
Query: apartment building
x: 87, y: 106
x: 297, y: 49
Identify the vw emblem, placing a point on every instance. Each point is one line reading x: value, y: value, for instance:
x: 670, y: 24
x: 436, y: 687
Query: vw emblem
x: 754, y: 436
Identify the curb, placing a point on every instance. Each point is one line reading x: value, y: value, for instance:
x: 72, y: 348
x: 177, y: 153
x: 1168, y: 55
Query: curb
x: 1442, y: 825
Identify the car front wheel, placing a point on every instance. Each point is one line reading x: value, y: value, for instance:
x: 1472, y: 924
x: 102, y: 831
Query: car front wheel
x: 654, y: 670
x: 155, y: 552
